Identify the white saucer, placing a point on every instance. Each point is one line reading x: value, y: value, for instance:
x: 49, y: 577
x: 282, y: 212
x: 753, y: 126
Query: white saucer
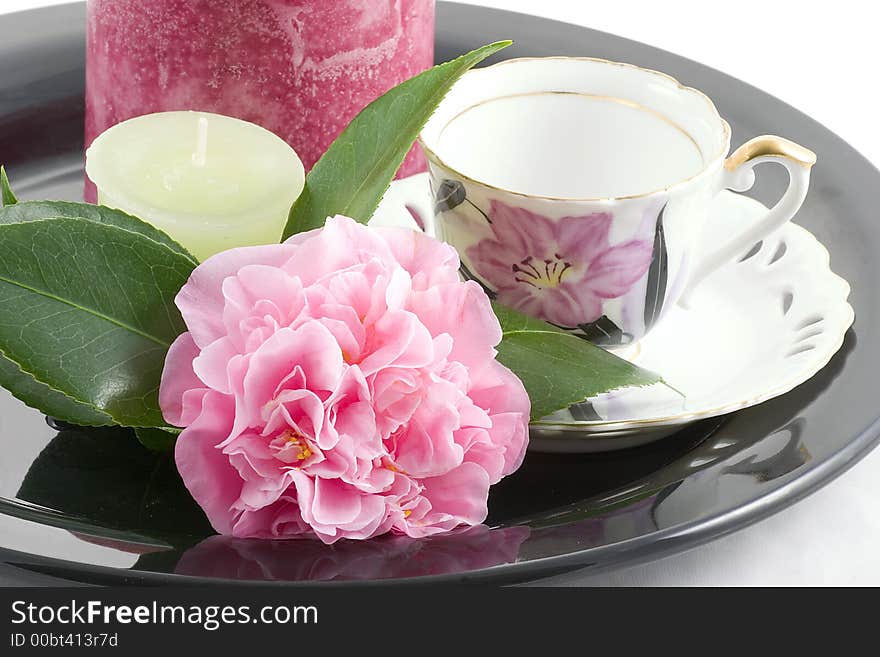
x: 755, y: 329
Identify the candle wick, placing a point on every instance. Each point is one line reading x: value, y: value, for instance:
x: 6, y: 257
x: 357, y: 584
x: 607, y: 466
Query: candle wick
x: 200, y: 157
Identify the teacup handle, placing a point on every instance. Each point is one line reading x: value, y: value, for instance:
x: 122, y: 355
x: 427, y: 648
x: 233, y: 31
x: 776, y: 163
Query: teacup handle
x: 739, y: 176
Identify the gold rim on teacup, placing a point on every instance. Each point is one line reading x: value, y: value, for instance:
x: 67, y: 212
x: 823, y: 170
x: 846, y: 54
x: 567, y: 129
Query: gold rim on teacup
x: 707, y: 163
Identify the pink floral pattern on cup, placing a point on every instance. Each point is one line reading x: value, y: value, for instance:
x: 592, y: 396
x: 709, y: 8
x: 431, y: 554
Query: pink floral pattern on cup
x: 561, y: 271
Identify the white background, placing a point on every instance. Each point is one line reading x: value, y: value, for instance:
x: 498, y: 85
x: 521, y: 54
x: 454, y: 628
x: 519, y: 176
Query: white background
x: 823, y: 60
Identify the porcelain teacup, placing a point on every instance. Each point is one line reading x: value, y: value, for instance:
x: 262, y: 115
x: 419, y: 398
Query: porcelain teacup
x: 574, y: 189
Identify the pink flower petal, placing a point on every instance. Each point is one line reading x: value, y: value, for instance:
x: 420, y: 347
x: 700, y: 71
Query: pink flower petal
x: 334, y: 510
x: 581, y: 239
x: 615, y: 271
x: 205, y: 470
x: 339, y: 245
x: 456, y: 498
x: 212, y: 364
x: 401, y: 340
x: 201, y: 299
x: 428, y: 261
x: 335, y: 503
x: 521, y: 231
x: 178, y: 378
x: 463, y: 312
x: 427, y: 446
x: 255, y: 293
x: 571, y: 304
x: 310, y: 348
x: 281, y: 519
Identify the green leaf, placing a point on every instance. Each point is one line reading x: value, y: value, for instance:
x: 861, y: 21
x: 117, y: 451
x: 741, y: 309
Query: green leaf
x: 86, y: 308
x: 7, y: 196
x: 42, y: 210
x: 557, y: 368
x: 47, y: 400
x: 355, y: 172
x: 157, y: 440
x: 21, y: 384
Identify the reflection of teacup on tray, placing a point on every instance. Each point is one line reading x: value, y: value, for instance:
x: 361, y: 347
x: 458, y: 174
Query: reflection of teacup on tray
x: 575, y: 189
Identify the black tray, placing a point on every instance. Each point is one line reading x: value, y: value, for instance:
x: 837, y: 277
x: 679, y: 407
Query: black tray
x: 93, y: 506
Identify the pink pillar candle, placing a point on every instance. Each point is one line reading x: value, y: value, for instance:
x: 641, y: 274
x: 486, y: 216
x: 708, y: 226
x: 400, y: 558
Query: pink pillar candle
x: 300, y: 68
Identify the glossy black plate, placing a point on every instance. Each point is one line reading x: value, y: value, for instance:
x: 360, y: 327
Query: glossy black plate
x: 93, y: 506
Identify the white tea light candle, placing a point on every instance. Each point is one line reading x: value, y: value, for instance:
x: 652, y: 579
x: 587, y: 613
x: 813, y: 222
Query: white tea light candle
x: 210, y: 181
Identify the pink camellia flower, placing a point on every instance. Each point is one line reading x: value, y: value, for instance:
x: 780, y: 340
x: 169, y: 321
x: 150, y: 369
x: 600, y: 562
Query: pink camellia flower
x: 560, y: 271
x: 343, y: 383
